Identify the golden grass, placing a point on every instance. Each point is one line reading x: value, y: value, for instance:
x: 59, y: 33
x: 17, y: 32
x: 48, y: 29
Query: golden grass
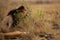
x: 42, y: 19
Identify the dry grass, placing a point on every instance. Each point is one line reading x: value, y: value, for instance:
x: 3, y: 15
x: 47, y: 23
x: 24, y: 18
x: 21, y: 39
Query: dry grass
x: 43, y: 22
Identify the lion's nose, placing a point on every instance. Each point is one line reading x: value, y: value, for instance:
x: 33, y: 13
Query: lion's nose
x: 25, y: 12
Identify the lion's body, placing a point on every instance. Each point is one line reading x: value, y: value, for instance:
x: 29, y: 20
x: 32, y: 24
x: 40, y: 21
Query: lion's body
x: 6, y: 24
x: 13, y: 18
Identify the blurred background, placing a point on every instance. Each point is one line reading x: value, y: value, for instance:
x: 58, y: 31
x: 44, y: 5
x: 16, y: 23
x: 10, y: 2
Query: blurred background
x: 44, y: 23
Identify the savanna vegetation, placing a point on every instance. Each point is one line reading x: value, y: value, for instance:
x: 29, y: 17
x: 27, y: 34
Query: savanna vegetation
x: 42, y: 22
